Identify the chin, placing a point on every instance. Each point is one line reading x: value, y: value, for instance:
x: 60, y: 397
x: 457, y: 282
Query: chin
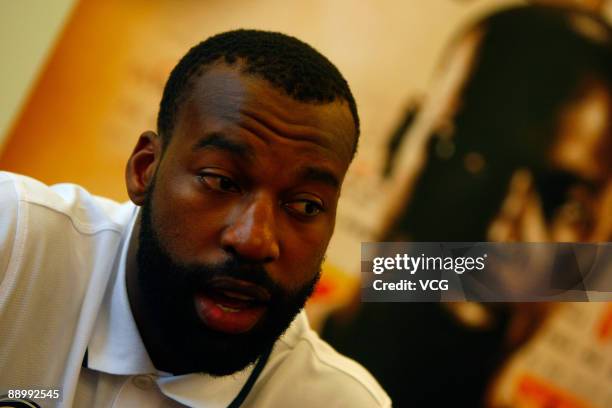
x: 202, y: 350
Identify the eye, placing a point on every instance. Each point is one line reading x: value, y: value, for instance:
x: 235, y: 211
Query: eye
x: 304, y: 208
x: 219, y: 182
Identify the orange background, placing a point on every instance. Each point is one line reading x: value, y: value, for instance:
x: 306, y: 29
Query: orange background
x: 79, y: 124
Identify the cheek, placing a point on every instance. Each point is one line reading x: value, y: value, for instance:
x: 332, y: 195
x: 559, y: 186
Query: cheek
x: 301, y: 257
x: 188, y: 225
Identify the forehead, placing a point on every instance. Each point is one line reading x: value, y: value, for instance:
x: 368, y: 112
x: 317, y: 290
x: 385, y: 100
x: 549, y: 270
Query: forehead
x: 224, y: 97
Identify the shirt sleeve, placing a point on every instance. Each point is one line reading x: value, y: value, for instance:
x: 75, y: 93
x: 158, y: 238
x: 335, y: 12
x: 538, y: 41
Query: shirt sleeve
x: 9, y: 211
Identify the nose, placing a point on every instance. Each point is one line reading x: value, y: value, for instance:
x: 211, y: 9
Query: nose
x: 251, y: 233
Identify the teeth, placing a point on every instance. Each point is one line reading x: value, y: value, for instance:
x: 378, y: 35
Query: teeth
x: 227, y: 309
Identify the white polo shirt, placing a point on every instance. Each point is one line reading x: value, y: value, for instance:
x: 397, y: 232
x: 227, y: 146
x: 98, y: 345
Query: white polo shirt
x: 62, y: 291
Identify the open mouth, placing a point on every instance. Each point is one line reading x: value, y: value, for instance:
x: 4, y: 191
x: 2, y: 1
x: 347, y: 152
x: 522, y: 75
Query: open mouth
x: 231, y: 306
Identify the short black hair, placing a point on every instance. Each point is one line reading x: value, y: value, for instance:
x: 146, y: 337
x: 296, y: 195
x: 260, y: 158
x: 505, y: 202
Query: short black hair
x: 287, y: 63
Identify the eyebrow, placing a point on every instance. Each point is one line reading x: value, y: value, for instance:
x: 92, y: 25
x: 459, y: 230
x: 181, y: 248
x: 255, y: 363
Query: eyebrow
x: 219, y: 141
x: 317, y: 174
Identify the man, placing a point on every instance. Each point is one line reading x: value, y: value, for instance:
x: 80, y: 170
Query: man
x: 186, y: 300
x: 516, y: 142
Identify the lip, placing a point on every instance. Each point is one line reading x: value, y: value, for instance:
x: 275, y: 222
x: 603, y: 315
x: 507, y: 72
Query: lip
x: 239, y: 289
x: 228, y: 315
x: 231, y: 305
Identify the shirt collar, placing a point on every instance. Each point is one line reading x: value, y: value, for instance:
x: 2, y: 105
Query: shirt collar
x: 203, y: 390
x: 116, y: 346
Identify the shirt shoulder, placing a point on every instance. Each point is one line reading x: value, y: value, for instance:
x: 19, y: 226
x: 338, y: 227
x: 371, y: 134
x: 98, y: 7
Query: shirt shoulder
x: 9, y: 204
x: 39, y: 223
x: 88, y: 213
x: 305, y: 371
x: 58, y: 247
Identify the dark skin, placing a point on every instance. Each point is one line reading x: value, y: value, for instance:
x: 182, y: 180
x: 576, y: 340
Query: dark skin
x: 248, y: 172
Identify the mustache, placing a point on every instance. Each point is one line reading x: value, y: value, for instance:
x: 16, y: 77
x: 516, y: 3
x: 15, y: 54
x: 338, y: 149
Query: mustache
x: 200, y: 277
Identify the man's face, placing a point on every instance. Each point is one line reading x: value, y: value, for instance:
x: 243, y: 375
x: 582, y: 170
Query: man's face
x: 573, y: 201
x: 237, y: 221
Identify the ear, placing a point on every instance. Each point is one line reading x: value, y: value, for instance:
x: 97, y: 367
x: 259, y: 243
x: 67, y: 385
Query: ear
x: 142, y: 165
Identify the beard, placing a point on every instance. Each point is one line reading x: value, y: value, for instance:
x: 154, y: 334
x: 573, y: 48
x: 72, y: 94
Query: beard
x: 167, y: 290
